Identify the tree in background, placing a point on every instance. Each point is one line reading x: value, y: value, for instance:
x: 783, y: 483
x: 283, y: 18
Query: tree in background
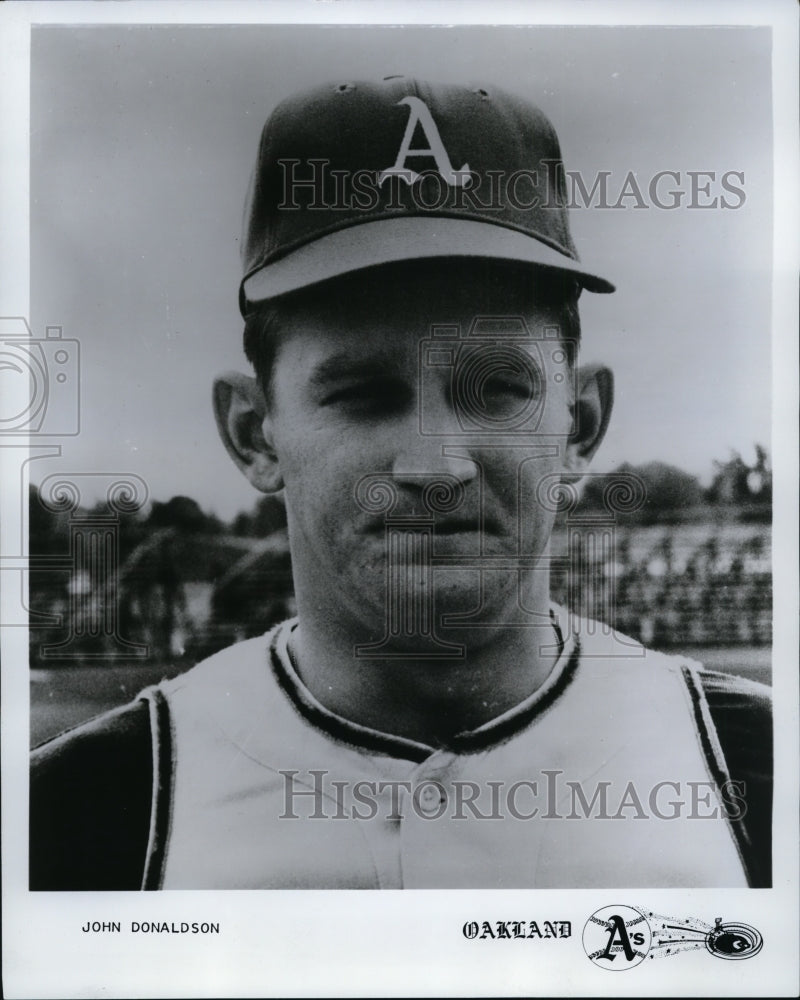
x: 736, y: 482
x: 669, y: 491
x: 185, y: 515
x: 267, y: 517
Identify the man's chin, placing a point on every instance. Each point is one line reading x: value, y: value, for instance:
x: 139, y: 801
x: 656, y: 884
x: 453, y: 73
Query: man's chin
x: 455, y: 605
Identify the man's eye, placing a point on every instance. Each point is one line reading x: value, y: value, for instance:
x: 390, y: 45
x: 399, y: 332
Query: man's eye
x: 376, y: 395
x: 518, y: 388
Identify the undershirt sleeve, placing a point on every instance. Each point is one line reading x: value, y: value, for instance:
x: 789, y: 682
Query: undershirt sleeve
x: 742, y: 715
x: 90, y: 803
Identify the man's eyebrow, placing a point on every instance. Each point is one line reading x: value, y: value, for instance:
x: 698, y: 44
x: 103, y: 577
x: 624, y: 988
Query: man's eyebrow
x: 344, y: 365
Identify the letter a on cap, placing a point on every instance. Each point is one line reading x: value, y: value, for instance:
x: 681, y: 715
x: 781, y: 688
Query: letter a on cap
x: 435, y: 149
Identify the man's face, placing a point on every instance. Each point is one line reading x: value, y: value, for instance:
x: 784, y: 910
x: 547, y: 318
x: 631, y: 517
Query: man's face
x: 361, y: 388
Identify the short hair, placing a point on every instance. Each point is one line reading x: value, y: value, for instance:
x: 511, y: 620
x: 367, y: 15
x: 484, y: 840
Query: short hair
x: 558, y: 290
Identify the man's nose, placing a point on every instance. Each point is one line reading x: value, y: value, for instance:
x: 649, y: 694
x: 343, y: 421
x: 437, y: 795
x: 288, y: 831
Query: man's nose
x: 419, y: 457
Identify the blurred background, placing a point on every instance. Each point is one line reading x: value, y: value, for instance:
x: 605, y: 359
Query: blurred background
x: 146, y: 594
x: 141, y: 146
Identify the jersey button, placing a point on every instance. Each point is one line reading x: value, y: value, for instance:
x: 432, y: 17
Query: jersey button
x: 431, y: 797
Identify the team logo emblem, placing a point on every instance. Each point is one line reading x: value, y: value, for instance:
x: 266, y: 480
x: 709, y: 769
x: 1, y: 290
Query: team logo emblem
x: 420, y: 115
x: 621, y: 937
x: 617, y: 938
x: 734, y: 940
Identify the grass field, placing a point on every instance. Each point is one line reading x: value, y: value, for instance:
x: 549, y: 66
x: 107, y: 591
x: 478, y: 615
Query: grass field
x: 66, y: 696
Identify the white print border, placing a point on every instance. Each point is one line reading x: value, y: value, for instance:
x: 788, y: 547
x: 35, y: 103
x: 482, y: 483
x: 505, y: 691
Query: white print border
x: 265, y: 939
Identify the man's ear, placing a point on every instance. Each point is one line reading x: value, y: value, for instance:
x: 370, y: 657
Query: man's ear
x: 241, y: 413
x: 591, y: 411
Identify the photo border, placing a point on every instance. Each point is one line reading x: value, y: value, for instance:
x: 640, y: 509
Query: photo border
x: 394, y: 943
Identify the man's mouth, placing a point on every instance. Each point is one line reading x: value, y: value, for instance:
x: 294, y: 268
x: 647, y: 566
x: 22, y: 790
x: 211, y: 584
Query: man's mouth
x: 442, y: 527
x: 453, y: 526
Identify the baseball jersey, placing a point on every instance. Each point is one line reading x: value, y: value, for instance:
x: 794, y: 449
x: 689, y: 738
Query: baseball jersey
x: 612, y: 773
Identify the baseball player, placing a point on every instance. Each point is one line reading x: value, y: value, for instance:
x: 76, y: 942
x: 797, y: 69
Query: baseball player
x: 429, y: 719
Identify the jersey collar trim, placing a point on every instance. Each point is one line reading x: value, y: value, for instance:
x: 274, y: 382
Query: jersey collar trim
x: 491, y: 733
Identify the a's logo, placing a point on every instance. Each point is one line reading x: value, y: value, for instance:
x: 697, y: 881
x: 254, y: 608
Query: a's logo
x: 617, y: 937
x: 621, y: 937
x: 420, y: 115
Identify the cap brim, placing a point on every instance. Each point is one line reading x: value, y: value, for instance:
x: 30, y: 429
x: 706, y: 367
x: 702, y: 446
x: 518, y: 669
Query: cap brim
x: 387, y: 241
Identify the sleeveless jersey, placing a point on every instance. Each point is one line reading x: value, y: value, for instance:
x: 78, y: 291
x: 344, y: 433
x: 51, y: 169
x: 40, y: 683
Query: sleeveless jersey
x: 610, y: 774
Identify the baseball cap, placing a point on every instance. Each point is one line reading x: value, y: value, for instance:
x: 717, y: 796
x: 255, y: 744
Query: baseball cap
x: 355, y: 174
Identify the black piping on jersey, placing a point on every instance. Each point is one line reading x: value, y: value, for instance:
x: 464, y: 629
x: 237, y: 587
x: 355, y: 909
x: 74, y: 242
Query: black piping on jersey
x: 717, y: 765
x: 341, y: 729
x: 498, y: 732
x: 397, y: 746
x: 92, y: 795
x: 163, y: 770
x: 558, y: 632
